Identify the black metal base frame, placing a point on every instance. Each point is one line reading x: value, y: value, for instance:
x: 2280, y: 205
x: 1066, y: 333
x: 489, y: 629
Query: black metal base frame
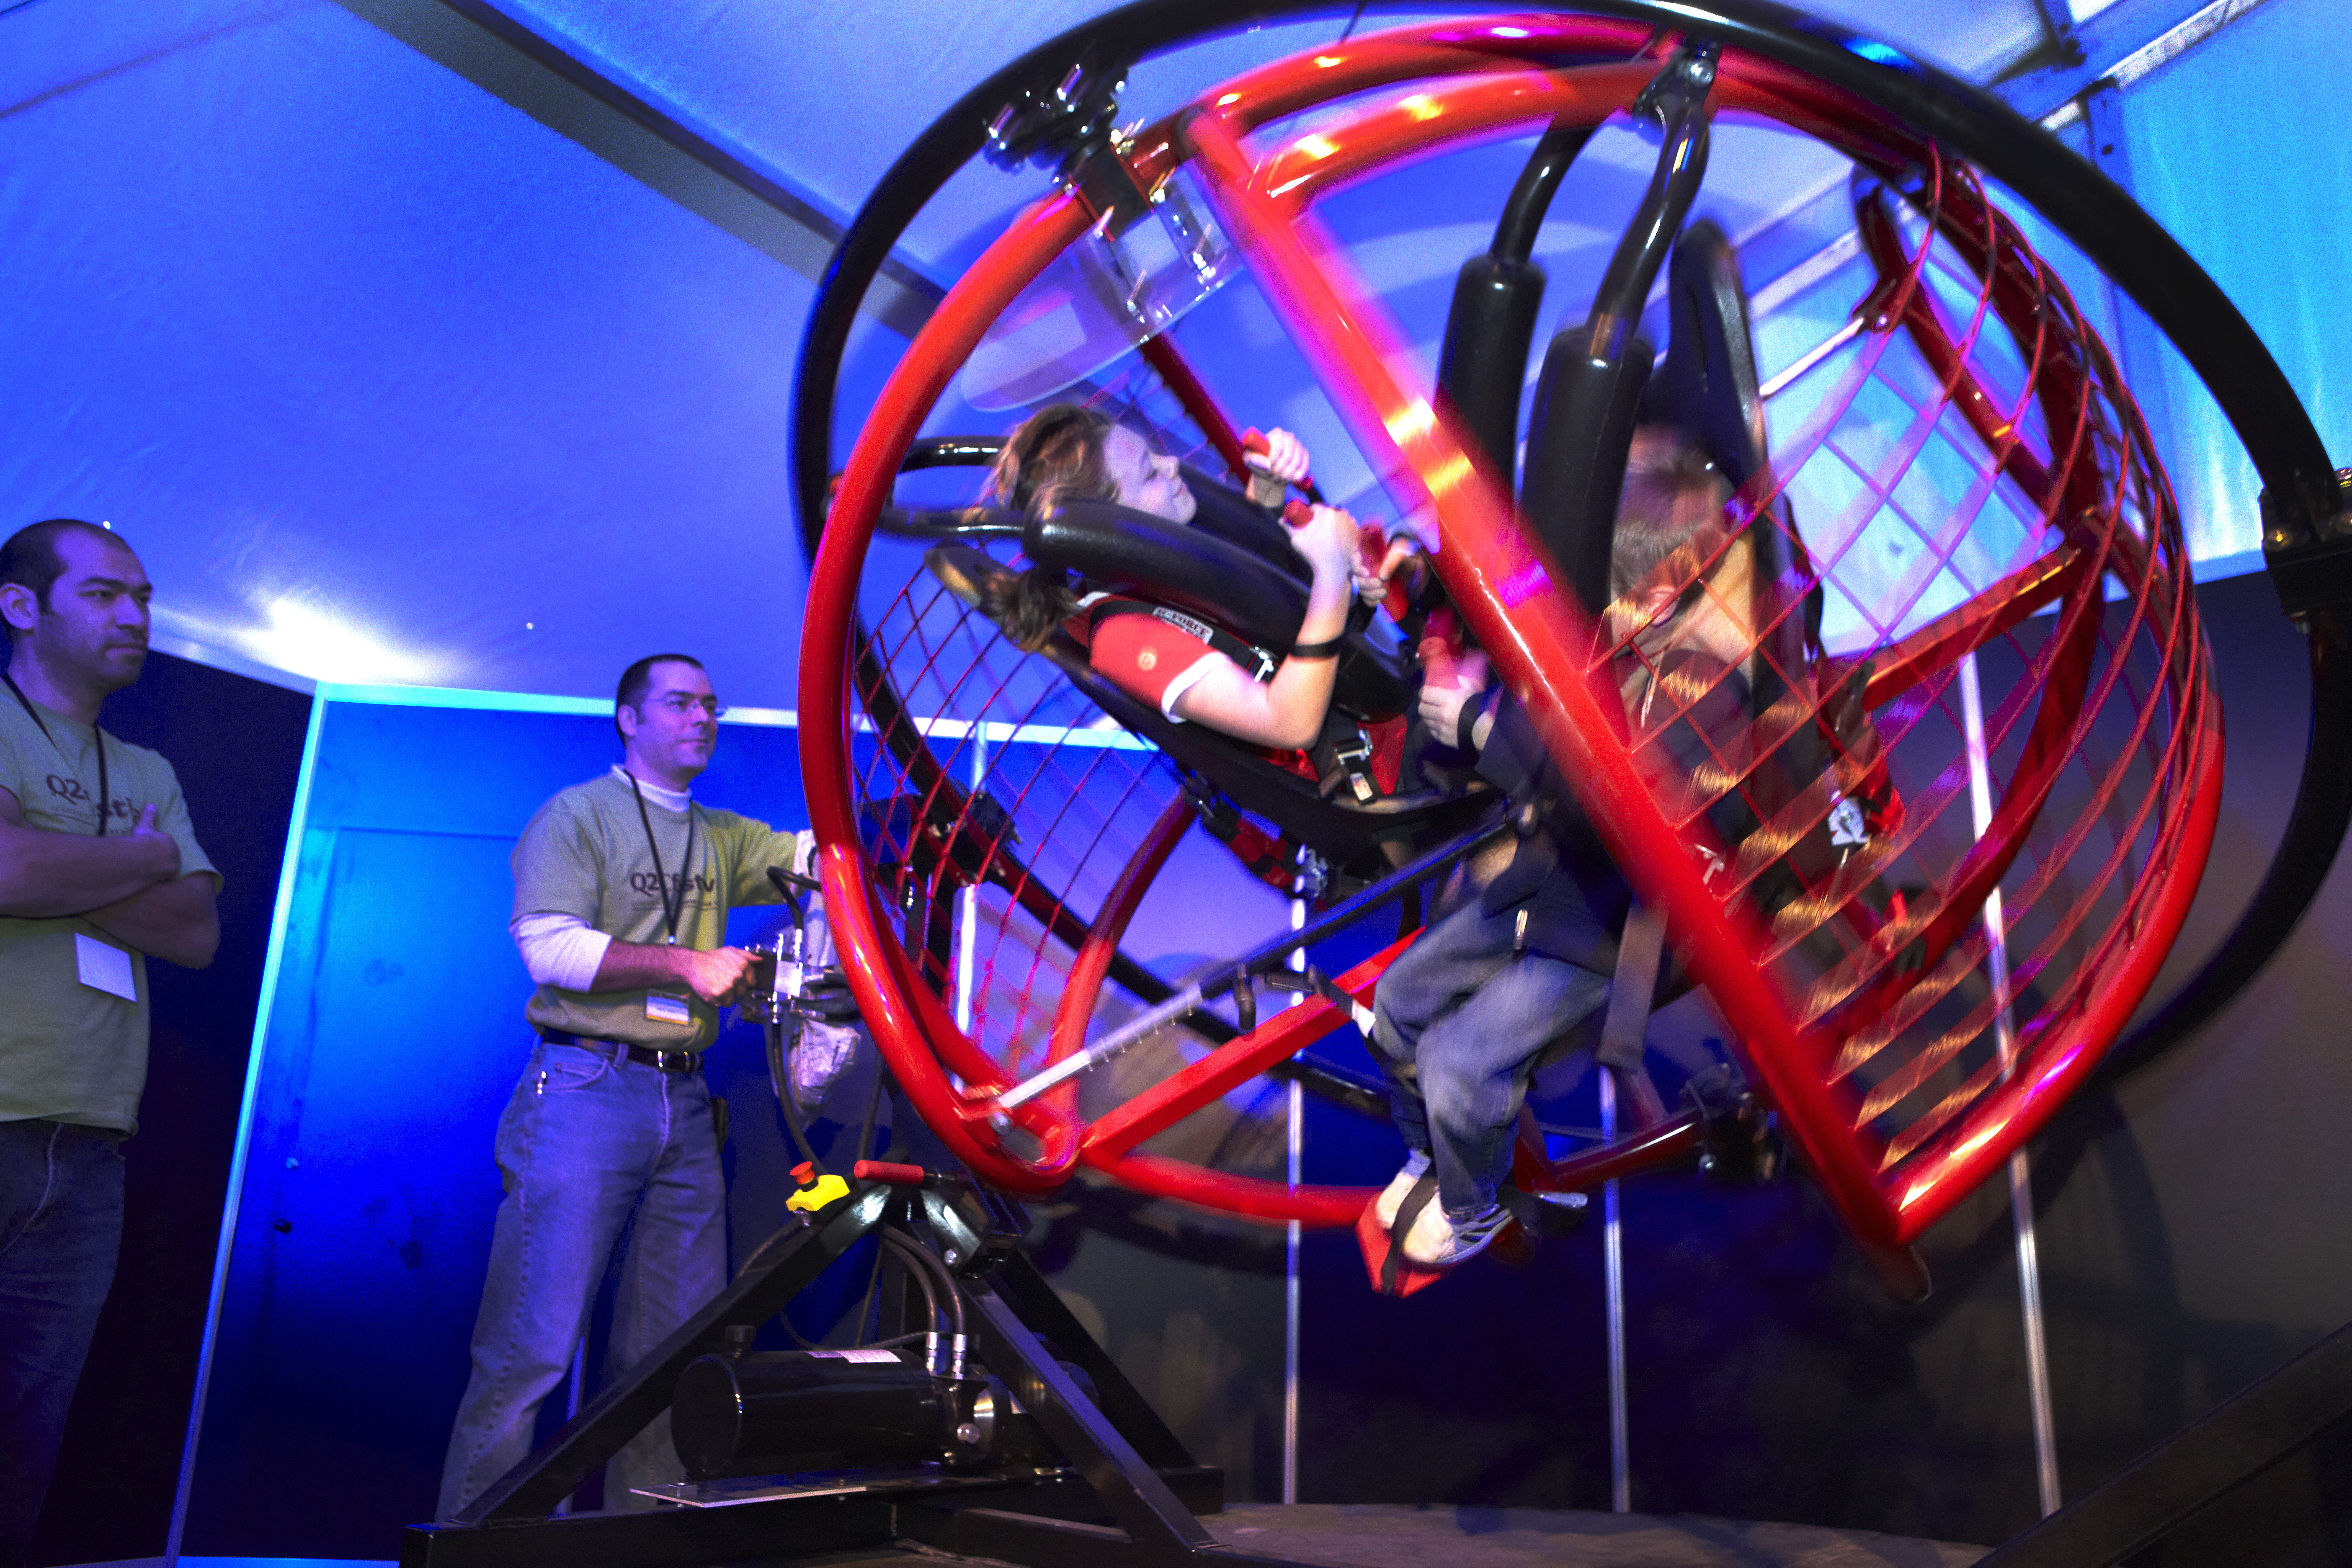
x: 1125, y: 1467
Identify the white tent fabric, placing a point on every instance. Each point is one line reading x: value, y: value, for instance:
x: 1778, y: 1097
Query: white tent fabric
x: 389, y: 380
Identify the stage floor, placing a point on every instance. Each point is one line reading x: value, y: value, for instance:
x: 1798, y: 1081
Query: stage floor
x: 1378, y: 1535
x: 1372, y: 1536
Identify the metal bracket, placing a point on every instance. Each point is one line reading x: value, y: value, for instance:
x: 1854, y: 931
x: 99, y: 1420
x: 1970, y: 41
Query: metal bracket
x: 1069, y: 129
x: 2310, y: 564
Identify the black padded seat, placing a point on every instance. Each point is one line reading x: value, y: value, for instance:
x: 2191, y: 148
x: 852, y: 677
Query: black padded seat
x: 1341, y: 830
x: 1192, y: 569
x: 1222, y: 511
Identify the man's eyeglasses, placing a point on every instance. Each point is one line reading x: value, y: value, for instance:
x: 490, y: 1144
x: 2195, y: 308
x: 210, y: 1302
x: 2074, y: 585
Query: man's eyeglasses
x: 679, y: 704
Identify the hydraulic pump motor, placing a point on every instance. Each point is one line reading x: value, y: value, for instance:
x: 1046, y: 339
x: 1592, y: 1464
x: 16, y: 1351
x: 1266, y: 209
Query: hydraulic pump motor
x: 782, y: 1413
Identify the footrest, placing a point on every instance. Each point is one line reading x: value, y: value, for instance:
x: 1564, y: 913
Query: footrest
x: 1407, y: 1277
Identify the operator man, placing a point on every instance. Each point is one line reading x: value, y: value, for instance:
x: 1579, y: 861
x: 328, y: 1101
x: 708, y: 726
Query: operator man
x: 99, y: 872
x: 622, y: 889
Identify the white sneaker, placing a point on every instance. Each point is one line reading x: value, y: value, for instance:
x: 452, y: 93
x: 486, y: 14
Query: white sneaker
x: 1436, y: 1242
x: 1400, y: 1187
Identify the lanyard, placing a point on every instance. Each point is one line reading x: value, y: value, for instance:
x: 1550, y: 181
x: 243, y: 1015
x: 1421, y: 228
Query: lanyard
x: 671, y: 907
x: 104, y: 799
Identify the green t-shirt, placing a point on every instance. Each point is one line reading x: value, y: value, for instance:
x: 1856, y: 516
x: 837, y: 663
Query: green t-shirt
x: 585, y: 854
x: 69, y: 1051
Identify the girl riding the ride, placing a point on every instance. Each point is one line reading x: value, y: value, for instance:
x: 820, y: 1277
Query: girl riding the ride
x: 1067, y: 453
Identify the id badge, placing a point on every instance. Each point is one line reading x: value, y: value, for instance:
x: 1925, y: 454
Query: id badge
x: 104, y: 968
x: 661, y: 1009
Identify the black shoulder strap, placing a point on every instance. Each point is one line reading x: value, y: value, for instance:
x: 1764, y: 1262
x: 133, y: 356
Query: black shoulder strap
x: 1259, y: 663
x: 1423, y: 1192
x: 1341, y: 752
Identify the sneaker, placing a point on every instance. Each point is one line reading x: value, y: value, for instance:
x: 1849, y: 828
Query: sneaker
x: 1400, y: 1187
x: 1436, y: 1242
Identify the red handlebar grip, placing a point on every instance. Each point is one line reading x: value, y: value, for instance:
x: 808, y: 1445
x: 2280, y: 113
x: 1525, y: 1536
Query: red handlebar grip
x: 1297, y: 513
x: 1255, y: 440
x: 890, y: 1170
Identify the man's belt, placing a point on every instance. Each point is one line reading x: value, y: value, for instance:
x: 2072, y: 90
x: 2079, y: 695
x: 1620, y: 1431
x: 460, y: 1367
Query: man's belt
x: 644, y: 1056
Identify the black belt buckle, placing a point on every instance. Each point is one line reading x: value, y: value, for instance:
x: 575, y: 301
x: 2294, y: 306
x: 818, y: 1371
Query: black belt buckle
x: 654, y: 1057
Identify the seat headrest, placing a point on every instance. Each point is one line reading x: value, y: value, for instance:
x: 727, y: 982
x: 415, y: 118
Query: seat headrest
x: 1190, y: 568
x: 1221, y: 510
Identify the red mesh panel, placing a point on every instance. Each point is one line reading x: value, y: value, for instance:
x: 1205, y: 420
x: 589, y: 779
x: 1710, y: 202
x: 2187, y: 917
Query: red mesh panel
x: 1970, y: 455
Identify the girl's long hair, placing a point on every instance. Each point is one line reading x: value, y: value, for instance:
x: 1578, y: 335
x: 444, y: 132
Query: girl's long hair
x: 1054, y: 455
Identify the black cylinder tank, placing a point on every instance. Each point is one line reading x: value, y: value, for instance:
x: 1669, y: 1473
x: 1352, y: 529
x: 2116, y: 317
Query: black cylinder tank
x: 774, y: 1414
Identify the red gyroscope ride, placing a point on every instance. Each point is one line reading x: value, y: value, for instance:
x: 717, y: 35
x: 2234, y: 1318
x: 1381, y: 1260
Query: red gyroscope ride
x: 1973, y: 612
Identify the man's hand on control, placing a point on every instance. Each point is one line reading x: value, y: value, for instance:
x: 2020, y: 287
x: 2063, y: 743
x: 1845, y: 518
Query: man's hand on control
x: 717, y: 974
x: 1442, y: 701
x: 1372, y: 584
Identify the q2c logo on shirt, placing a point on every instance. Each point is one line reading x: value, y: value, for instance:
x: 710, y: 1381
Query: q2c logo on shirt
x: 651, y: 885
x: 76, y: 793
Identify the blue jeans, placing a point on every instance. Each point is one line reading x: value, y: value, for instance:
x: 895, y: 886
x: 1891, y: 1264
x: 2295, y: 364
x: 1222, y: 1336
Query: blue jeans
x: 1459, y: 1022
x: 598, y: 1153
x: 61, y: 1232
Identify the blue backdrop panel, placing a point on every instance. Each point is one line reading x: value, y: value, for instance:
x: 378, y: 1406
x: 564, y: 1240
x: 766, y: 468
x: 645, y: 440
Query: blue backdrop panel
x: 397, y: 1032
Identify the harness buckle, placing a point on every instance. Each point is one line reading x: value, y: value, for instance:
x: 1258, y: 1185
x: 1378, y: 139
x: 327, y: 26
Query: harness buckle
x: 1352, y: 757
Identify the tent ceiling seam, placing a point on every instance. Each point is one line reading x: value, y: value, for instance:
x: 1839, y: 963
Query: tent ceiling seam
x: 562, y: 92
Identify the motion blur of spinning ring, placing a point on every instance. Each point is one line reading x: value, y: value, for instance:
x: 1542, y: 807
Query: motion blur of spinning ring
x: 1983, y: 696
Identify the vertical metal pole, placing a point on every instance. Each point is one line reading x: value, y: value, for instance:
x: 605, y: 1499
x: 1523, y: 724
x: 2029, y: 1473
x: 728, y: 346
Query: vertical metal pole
x: 1612, y: 1251
x: 2020, y: 1173
x: 968, y: 901
x: 1297, y: 1145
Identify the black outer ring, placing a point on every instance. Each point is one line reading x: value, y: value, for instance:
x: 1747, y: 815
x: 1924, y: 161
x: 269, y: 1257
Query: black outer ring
x: 2082, y: 204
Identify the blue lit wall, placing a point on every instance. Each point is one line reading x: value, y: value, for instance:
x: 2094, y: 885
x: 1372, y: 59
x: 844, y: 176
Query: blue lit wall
x: 394, y: 1037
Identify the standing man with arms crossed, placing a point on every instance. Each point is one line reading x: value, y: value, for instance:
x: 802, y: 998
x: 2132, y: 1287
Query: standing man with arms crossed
x: 622, y: 889
x: 99, y: 870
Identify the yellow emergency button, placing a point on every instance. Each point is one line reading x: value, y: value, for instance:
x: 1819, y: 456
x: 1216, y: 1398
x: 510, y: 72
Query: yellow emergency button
x: 815, y: 1192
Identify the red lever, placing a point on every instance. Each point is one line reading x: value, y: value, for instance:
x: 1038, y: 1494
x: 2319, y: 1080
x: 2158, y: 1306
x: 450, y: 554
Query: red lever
x: 1254, y: 443
x: 890, y: 1170
x: 1372, y: 548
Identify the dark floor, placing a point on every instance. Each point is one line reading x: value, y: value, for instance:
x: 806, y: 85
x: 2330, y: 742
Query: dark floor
x: 1373, y: 1535
x: 1378, y: 1535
